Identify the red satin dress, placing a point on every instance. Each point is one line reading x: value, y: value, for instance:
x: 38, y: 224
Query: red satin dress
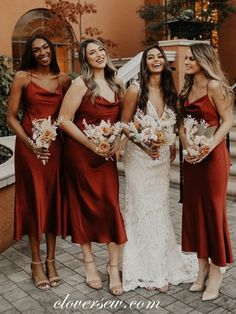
x: 91, y: 198
x: 38, y: 188
x: 204, y: 226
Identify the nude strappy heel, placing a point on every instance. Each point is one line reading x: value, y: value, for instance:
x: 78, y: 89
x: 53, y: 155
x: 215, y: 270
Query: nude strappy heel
x: 40, y: 284
x: 117, y: 289
x: 54, y: 281
x: 96, y: 283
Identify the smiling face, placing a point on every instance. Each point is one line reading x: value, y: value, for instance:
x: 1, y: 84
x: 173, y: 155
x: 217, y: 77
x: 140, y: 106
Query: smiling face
x: 96, y: 56
x: 191, y: 66
x: 155, y: 61
x: 41, y: 52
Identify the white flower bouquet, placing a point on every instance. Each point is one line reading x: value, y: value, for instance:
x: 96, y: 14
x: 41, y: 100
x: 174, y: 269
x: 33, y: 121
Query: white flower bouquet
x: 151, y: 132
x: 199, y: 136
x: 43, y: 133
x: 103, y: 135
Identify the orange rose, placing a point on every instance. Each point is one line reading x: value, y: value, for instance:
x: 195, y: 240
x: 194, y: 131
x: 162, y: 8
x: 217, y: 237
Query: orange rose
x: 138, y: 125
x: 46, y: 137
x: 160, y: 137
x: 204, y: 150
x: 106, y: 131
x: 104, y: 147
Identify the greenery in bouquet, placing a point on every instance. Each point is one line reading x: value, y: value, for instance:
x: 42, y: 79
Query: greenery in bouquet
x: 199, y: 135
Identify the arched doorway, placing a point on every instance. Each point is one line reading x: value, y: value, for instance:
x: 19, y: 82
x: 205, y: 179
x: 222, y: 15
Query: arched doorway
x: 41, y: 21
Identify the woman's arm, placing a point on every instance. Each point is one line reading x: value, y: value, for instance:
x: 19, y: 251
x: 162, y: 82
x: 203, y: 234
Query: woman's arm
x: 129, y: 109
x: 182, y: 136
x: 224, y: 107
x: 19, y: 83
x: 70, y: 105
x: 14, y: 100
x: 130, y: 104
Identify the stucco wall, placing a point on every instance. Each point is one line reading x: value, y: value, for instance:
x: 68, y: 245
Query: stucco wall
x: 117, y: 19
x: 10, y: 12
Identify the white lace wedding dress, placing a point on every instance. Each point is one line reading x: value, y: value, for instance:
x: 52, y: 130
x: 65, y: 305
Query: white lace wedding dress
x: 151, y: 257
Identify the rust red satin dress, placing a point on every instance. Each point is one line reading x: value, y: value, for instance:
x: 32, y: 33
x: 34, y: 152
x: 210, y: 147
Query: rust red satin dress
x: 205, y: 228
x: 38, y: 189
x: 91, y: 204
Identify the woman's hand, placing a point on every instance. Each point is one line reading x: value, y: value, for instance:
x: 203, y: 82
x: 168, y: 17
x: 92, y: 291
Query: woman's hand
x: 40, y: 153
x: 121, y: 150
x: 114, y: 147
x: 204, y: 150
x: 152, y: 152
x: 101, y: 150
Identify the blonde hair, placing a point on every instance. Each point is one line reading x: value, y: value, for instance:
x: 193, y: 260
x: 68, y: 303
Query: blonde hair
x: 86, y: 71
x: 208, y: 60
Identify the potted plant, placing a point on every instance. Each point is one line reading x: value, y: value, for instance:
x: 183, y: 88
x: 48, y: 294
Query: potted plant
x: 190, y: 19
x: 6, y: 75
x: 186, y: 25
x: 154, y: 17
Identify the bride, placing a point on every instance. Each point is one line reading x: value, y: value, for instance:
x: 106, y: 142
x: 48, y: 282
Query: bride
x: 151, y: 257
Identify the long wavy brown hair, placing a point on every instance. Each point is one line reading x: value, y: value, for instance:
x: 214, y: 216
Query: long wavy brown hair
x: 86, y: 71
x: 167, y: 82
x: 208, y: 60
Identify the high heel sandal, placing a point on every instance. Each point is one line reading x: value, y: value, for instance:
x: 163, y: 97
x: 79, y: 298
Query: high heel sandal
x: 94, y: 284
x: 200, y: 287
x: 214, y: 293
x: 117, y: 289
x: 40, y: 284
x: 54, y: 281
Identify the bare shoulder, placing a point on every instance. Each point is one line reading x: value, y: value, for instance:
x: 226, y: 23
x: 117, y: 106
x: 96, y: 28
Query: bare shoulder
x: 79, y: 82
x: 65, y: 81
x: 216, y: 91
x: 214, y: 86
x: 133, y: 90
x: 22, y: 75
x: 64, y: 78
x: 21, y: 78
x: 78, y: 87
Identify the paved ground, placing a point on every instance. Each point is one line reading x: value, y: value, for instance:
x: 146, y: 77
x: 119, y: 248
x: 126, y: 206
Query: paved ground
x: 19, y: 295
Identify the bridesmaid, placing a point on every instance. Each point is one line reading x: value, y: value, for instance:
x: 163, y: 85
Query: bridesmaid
x: 91, y: 182
x: 39, y: 86
x: 206, y: 95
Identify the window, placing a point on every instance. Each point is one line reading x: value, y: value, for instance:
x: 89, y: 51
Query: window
x: 41, y: 21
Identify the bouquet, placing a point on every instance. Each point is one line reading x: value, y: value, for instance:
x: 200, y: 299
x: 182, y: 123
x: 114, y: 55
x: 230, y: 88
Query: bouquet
x: 199, y: 136
x: 103, y: 135
x: 43, y: 133
x: 150, y: 132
